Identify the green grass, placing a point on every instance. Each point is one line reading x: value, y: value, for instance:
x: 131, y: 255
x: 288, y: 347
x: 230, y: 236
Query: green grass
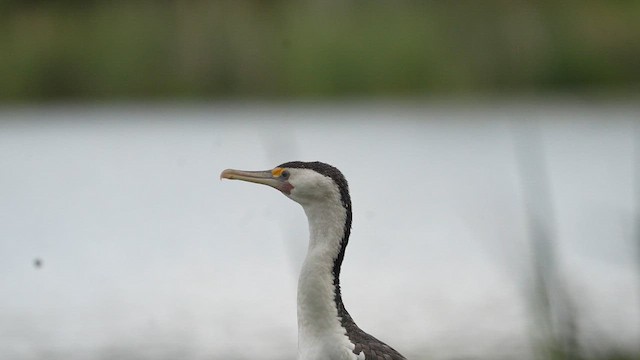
x: 209, y: 49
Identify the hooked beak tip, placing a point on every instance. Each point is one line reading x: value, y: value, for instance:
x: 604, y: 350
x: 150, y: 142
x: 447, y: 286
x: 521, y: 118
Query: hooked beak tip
x: 225, y: 174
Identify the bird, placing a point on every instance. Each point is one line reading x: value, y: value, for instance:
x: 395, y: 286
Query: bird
x: 326, y: 331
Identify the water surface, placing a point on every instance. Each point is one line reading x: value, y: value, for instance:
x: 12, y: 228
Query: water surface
x: 144, y: 254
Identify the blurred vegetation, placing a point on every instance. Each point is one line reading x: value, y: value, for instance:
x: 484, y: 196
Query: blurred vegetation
x: 267, y: 48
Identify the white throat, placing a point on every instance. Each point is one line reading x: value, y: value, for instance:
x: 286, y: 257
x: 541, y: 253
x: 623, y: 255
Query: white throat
x: 320, y: 333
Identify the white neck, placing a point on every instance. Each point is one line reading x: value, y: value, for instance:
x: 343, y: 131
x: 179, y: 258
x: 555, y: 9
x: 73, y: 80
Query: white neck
x: 320, y: 334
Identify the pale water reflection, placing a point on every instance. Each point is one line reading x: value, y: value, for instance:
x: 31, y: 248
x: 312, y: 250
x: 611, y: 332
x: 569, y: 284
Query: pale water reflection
x: 143, y: 254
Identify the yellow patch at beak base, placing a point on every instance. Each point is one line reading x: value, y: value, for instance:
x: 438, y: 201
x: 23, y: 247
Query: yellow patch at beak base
x: 277, y: 172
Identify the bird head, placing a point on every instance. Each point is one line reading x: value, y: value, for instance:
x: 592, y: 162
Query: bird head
x: 303, y: 182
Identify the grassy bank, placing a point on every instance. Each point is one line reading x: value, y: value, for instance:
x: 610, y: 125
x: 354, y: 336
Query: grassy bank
x: 210, y: 49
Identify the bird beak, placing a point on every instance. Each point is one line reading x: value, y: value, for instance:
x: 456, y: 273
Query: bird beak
x: 259, y: 177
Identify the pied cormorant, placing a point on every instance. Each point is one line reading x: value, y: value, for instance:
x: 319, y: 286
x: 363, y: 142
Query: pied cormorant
x: 326, y: 331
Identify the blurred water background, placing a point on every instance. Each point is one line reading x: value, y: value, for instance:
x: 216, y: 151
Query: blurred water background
x: 492, y: 149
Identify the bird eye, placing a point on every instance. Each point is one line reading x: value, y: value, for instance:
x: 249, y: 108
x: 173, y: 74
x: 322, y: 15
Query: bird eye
x: 285, y: 174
